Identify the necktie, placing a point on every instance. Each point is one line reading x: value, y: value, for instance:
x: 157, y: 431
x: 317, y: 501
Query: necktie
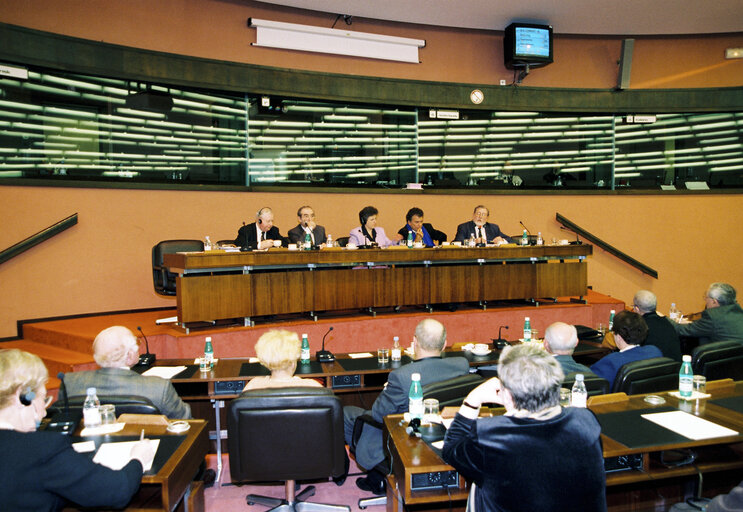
x: 263, y: 236
x: 479, y: 232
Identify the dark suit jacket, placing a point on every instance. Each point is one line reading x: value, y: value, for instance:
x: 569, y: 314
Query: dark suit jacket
x: 608, y: 366
x: 467, y: 229
x: 41, y: 471
x: 723, y: 323
x: 246, y: 236
x: 394, y: 400
x: 435, y: 234
x: 120, y: 381
x: 296, y: 234
x: 662, y: 334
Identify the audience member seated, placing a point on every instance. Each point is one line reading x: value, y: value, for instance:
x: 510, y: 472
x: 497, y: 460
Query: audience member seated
x: 423, y: 232
x: 41, y: 471
x: 722, y: 318
x: 115, y: 350
x: 537, y: 456
x: 732, y: 502
x: 279, y: 351
x: 660, y: 329
x: 306, y: 225
x: 429, y: 341
x: 484, y: 232
x: 630, y: 332
x: 260, y: 234
x: 368, y: 234
x: 560, y: 340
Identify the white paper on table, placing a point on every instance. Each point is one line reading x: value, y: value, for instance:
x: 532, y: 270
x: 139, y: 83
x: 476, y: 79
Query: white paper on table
x: 438, y: 444
x: 254, y: 360
x: 689, y: 425
x: 359, y: 355
x: 118, y: 455
x: 102, y: 430
x: 84, y: 446
x: 164, y: 372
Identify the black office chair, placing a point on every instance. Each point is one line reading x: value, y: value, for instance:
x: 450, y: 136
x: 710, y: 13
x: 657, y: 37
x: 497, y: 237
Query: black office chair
x: 452, y: 392
x: 595, y: 385
x: 125, y: 404
x: 719, y: 360
x: 163, y: 280
x: 287, y: 434
x: 342, y: 241
x: 647, y: 376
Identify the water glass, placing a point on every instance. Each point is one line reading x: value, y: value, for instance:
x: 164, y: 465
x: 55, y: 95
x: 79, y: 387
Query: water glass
x: 108, y: 414
x: 383, y: 355
x: 430, y: 411
x: 564, y: 397
x: 700, y: 383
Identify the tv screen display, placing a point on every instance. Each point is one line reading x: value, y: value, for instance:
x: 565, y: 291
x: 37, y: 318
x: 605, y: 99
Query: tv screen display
x: 526, y: 43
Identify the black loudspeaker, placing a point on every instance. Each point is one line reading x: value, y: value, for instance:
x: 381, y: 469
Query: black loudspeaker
x: 27, y: 396
x: 625, y: 64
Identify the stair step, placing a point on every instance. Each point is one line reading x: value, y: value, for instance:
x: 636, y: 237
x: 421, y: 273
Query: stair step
x: 55, y: 358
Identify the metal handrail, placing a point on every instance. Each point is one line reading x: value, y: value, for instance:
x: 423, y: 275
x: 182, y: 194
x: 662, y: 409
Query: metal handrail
x: 36, y: 239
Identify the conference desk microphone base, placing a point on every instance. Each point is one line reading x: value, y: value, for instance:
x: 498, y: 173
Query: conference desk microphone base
x: 324, y: 356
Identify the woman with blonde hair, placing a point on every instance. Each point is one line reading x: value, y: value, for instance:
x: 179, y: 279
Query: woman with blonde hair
x: 279, y: 351
x: 40, y: 470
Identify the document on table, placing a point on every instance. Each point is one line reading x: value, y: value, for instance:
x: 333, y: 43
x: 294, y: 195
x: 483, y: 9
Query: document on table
x: 165, y: 372
x: 360, y: 355
x: 689, y: 425
x: 118, y: 455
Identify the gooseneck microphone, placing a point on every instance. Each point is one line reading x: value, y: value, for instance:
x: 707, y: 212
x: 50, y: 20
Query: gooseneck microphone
x: 500, y: 343
x: 524, y: 226
x: 147, y: 359
x: 325, y: 356
x: 64, y: 422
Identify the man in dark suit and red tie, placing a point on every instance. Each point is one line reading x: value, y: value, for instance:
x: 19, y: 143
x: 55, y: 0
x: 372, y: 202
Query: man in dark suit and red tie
x: 484, y: 231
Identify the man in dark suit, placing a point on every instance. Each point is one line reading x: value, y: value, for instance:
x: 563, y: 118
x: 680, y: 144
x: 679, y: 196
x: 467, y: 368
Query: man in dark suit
x: 260, y: 234
x: 560, y: 340
x: 306, y: 225
x: 422, y: 232
x: 483, y: 231
x: 722, y: 318
x: 660, y: 329
x: 429, y: 340
x: 115, y: 350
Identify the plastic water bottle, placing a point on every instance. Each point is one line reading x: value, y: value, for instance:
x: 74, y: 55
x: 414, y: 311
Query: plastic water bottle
x: 208, y: 246
x: 91, y: 409
x: 525, y: 238
x: 415, y: 397
x: 578, y: 395
x: 674, y: 313
x: 686, y: 377
x: 329, y: 241
x: 611, y: 319
x: 207, y: 362
x: 410, y: 239
x: 396, y: 352
x: 472, y: 242
x: 307, y: 242
x: 527, y: 329
x: 540, y: 240
x: 304, y: 356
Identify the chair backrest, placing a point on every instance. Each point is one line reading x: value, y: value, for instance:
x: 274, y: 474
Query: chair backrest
x: 163, y: 280
x: 284, y: 434
x: 452, y: 391
x: 719, y: 360
x: 342, y: 241
x: 595, y: 385
x: 647, y: 376
x: 125, y: 404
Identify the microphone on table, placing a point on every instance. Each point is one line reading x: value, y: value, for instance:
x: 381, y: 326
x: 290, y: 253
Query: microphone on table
x: 64, y: 422
x: 527, y: 229
x: 577, y: 237
x: 500, y: 343
x: 325, y: 356
x: 145, y: 360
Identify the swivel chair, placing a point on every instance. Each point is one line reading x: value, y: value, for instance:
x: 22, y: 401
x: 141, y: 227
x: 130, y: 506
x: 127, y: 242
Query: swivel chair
x: 287, y: 434
x: 163, y: 280
x: 647, y: 376
x: 125, y: 404
x: 718, y: 360
x: 595, y: 385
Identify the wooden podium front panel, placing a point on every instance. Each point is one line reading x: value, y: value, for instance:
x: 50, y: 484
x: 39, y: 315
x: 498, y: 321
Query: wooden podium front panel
x: 455, y: 283
x: 401, y: 286
x: 562, y: 279
x: 208, y: 297
x: 511, y: 281
x: 279, y: 292
x: 343, y: 289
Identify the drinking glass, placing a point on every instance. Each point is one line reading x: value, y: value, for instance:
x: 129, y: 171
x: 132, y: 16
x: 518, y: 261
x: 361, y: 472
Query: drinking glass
x: 383, y: 355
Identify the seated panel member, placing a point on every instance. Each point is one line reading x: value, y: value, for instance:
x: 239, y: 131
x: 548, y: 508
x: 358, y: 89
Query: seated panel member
x: 115, y: 350
x: 306, y: 225
x: 560, y: 340
x: 722, y: 318
x: 429, y: 341
x: 279, y: 351
x: 368, y: 234
x: 259, y: 234
x: 423, y: 232
x: 630, y: 332
x: 537, y: 456
x: 660, y: 329
x: 40, y: 470
x: 484, y: 231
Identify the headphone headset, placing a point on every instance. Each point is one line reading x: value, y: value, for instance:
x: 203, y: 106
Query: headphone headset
x: 27, y: 396
x: 258, y: 215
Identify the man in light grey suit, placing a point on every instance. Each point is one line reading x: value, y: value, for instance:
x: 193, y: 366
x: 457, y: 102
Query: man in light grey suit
x: 115, y: 350
x: 429, y: 341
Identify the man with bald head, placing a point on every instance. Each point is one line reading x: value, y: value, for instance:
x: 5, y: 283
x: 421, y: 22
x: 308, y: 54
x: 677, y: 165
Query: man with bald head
x: 560, y: 340
x: 116, y: 350
x: 660, y: 329
x: 429, y: 341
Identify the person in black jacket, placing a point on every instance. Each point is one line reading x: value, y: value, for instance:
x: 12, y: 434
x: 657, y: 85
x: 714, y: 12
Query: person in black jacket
x: 424, y: 233
x: 40, y: 470
x: 483, y: 231
x: 260, y: 234
x: 661, y: 332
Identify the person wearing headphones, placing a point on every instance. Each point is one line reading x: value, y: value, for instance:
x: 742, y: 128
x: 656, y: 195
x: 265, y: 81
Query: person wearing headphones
x: 260, y: 234
x: 41, y: 470
x: 368, y: 234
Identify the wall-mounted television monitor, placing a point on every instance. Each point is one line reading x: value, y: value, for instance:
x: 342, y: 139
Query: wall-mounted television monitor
x: 527, y: 44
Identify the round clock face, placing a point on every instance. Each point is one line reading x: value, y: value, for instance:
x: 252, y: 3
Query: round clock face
x: 477, y: 96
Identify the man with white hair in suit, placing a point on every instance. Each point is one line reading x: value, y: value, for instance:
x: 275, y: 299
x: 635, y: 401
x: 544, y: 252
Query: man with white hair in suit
x: 560, y: 340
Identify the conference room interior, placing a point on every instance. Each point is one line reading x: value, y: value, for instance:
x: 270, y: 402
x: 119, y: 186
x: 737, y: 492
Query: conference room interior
x: 669, y: 199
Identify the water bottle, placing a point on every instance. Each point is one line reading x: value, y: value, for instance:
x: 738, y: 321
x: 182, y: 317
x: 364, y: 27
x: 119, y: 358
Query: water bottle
x: 415, y: 397
x: 686, y: 378
x: 304, y: 356
x: 472, y: 242
x: 329, y: 241
x: 91, y: 409
x: 410, y: 239
x: 396, y: 352
x: 207, y: 362
x: 540, y: 240
x: 674, y: 313
x: 307, y: 242
x: 208, y: 244
x: 611, y: 319
x: 578, y: 395
x: 527, y: 329
x: 525, y: 238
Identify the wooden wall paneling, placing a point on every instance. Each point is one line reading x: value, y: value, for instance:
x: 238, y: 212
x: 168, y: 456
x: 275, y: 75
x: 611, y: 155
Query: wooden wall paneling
x: 201, y: 298
x: 343, y: 288
x: 282, y: 292
x: 401, y: 286
x: 566, y: 279
x: 509, y: 281
x: 455, y: 283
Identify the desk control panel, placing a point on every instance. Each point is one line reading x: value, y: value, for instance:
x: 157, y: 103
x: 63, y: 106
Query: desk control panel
x: 228, y: 387
x: 623, y: 462
x: 434, y: 480
x: 346, y: 381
